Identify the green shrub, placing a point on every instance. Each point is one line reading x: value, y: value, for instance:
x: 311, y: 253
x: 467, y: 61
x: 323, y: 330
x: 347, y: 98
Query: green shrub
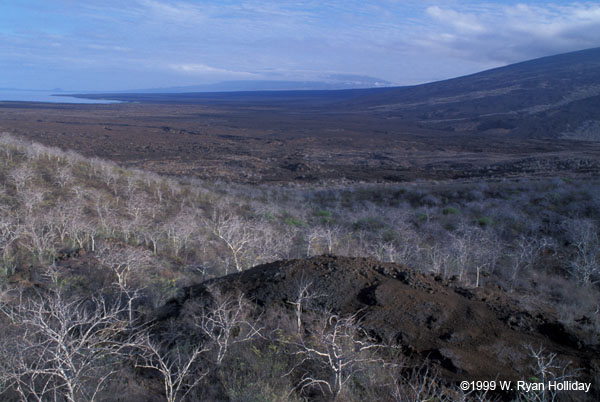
x: 450, y: 211
x: 485, y: 221
x: 291, y: 221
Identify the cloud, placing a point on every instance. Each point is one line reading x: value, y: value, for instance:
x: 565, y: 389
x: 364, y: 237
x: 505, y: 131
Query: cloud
x: 186, y: 41
x: 95, y: 46
x: 203, y: 69
x: 461, y: 22
x: 180, y: 12
x: 506, y: 34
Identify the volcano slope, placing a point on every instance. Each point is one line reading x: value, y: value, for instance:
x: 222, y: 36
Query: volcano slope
x: 536, y: 118
x: 467, y: 333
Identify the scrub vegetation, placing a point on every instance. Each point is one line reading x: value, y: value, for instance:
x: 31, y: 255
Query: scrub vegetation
x: 89, y: 251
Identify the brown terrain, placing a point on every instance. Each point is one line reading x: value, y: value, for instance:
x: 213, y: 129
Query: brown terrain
x: 265, y: 145
x: 469, y: 334
x: 534, y: 118
x: 506, y: 123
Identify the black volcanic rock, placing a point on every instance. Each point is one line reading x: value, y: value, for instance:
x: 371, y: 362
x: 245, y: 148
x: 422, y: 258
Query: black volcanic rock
x: 470, y: 333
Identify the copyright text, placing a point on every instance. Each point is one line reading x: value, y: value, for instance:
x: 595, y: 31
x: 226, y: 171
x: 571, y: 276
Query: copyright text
x: 525, y: 386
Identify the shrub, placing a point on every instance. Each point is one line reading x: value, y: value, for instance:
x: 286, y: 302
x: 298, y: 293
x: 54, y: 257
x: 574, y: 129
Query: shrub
x: 485, y: 221
x: 451, y: 211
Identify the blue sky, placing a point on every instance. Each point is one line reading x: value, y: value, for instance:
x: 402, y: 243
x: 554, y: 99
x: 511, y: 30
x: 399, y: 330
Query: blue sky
x: 127, y: 44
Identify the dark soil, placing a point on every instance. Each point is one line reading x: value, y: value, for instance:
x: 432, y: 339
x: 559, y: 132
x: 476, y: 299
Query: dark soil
x: 241, y: 143
x: 469, y: 334
x: 532, y: 118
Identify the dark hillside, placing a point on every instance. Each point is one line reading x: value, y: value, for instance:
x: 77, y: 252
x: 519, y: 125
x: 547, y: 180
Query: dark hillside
x: 550, y: 97
x: 552, y: 76
x: 469, y: 333
x: 513, y: 98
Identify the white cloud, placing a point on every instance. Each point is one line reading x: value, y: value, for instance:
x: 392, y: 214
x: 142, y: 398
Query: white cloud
x: 404, y: 41
x: 175, y: 11
x: 462, y: 22
x: 203, y: 69
x: 95, y: 46
x: 496, y: 34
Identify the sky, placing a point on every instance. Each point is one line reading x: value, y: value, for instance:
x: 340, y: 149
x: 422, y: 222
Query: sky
x: 128, y: 44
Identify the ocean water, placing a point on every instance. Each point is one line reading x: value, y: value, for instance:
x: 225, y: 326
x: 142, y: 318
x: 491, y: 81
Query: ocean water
x: 43, y: 96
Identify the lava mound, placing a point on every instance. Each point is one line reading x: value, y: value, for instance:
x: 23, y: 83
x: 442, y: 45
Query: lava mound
x: 468, y: 333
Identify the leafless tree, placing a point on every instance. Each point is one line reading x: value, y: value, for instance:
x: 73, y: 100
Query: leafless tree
x: 408, y: 247
x: 64, y: 176
x: 269, y: 244
x: 31, y: 199
x: 546, y: 367
x: 152, y: 235
x: 323, y: 239
x: 21, y: 176
x: 8, y: 146
x: 313, y: 238
x: 479, y: 269
x: 422, y: 384
x: 105, y: 212
x: 35, y: 150
x: 304, y: 295
x: 63, y: 349
x: 8, y: 235
x: 131, y: 183
x: 339, y: 346
x: 225, y: 321
x: 60, y: 217
x: 438, y: 258
x: 38, y: 237
x: 110, y: 176
x: 79, y: 192
x: 72, y: 158
x: 460, y: 249
x: 526, y: 253
x: 126, y: 262
x: 585, y: 264
x: 158, y: 191
x: 177, y: 364
x: 125, y: 228
x: 173, y: 186
x: 468, y: 251
x: 493, y: 248
x: 235, y: 232
x: 384, y: 250
x: 180, y: 230
x: 82, y: 229
x: 138, y: 206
